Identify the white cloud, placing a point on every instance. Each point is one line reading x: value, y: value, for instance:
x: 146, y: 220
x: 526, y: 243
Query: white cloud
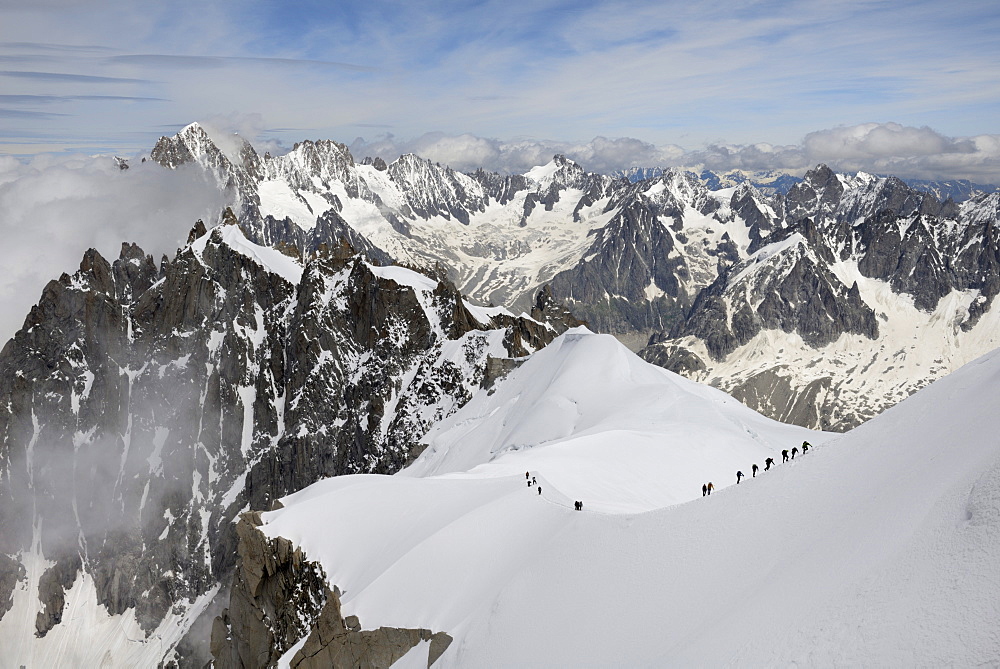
x: 884, y: 148
x: 223, y: 129
x: 880, y: 141
x: 56, y: 207
x: 468, y: 152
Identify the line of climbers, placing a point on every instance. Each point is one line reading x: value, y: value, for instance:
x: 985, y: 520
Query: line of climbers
x: 707, y: 488
x: 532, y: 482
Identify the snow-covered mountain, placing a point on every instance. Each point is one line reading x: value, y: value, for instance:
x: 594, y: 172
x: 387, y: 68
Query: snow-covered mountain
x: 958, y: 190
x: 875, y: 548
x: 597, y: 240
x: 146, y: 406
x: 730, y: 280
x: 585, y: 416
x: 865, y: 292
x: 768, y: 182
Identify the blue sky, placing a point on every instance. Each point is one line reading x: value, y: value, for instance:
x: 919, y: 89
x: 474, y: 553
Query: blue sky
x: 678, y: 77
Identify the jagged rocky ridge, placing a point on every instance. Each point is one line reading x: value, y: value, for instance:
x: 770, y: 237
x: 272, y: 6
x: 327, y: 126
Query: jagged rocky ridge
x: 144, y: 407
x: 857, y: 266
x: 698, y: 267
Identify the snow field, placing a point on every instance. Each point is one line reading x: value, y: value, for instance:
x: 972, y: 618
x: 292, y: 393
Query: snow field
x: 879, y: 548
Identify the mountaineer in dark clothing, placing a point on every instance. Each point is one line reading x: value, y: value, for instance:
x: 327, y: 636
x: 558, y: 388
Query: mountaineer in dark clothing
x: 710, y: 487
x: 805, y: 447
x: 704, y: 489
x: 784, y: 455
x: 795, y: 451
x: 768, y: 463
x: 754, y: 468
x: 739, y: 475
x: 539, y: 490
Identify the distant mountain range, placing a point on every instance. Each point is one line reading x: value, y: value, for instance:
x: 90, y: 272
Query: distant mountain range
x: 704, y: 270
x: 774, y: 182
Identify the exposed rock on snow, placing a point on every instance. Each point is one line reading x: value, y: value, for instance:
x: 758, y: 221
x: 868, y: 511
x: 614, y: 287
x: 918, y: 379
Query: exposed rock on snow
x: 281, y: 605
x: 662, y: 260
x: 147, y: 407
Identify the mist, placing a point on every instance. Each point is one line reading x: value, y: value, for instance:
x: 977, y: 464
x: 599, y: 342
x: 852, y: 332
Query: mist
x: 53, y: 208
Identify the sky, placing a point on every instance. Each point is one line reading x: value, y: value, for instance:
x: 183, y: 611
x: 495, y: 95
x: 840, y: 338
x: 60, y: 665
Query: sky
x: 910, y: 87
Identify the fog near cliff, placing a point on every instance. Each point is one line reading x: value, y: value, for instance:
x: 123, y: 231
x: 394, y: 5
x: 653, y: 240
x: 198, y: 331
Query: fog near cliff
x: 53, y: 208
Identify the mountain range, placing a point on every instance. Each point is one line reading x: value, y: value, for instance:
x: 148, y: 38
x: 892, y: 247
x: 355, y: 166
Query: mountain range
x: 703, y: 272
x: 347, y: 318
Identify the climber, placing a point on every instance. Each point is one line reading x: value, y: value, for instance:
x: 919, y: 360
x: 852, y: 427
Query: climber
x: 539, y: 490
x: 704, y: 489
x: 768, y: 463
x: 739, y: 475
x: 754, y: 468
x: 710, y: 487
x: 795, y: 451
x: 784, y: 455
x: 805, y: 447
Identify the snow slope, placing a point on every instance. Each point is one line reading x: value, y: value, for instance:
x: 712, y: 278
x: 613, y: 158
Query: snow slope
x: 878, y: 548
x: 593, y: 418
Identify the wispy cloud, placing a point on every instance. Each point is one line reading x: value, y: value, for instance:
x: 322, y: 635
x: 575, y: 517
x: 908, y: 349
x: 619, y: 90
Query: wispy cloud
x: 65, y: 77
x: 60, y: 48
x: 696, y: 75
x: 50, y: 99
x: 209, y: 62
x: 22, y: 114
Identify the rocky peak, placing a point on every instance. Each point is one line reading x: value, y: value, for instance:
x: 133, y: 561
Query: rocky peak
x: 548, y: 309
x: 432, y: 190
x: 323, y: 159
x: 560, y: 173
x: 190, y: 144
x: 816, y: 196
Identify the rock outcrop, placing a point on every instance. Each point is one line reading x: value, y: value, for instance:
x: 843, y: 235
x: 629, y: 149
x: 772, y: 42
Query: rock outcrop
x: 280, y: 598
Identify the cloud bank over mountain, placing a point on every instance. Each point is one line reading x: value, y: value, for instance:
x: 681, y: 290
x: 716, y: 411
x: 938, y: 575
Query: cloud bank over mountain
x: 883, y: 148
x: 54, y: 208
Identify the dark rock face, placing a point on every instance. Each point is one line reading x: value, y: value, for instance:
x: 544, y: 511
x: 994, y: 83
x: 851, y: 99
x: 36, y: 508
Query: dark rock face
x: 630, y: 254
x: 336, y: 642
x: 144, y: 407
x: 279, y: 597
x: 549, y: 310
x: 675, y: 358
x: 818, y: 194
x: 922, y: 248
x: 52, y: 588
x: 774, y: 391
x: 11, y: 573
x: 276, y: 593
